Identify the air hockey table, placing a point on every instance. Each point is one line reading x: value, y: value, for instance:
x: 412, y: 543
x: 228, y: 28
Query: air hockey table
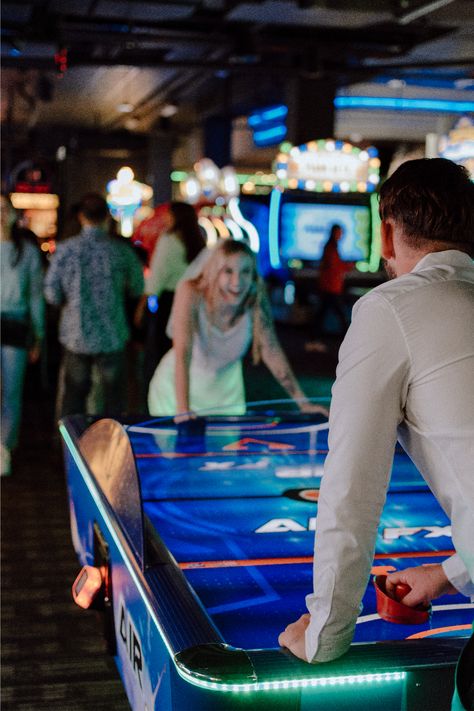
x: 204, y: 541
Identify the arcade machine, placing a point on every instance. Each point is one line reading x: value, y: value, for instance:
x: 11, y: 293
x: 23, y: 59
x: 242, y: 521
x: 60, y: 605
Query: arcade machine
x: 319, y: 184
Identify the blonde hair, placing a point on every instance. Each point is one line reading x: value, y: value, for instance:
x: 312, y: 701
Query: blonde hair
x: 206, y: 282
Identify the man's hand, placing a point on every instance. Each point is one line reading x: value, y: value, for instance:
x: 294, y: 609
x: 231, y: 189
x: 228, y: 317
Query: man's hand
x: 293, y: 638
x: 427, y: 582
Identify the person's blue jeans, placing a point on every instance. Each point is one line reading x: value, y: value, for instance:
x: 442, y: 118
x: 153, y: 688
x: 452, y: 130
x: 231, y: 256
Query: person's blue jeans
x: 75, y: 382
x: 13, y: 367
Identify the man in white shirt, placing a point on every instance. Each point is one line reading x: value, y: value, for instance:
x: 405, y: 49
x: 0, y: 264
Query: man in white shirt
x: 406, y: 371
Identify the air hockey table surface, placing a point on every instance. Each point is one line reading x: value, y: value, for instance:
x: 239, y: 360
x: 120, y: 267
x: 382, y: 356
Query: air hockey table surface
x: 206, y: 539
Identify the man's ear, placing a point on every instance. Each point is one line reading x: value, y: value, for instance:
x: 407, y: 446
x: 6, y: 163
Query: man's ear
x: 387, y: 248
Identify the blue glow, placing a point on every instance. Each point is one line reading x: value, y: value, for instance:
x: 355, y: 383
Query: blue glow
x: 275, y: 199
x: 152, y: 302
x: 402, y: 104
x: 270, y: 135
x: 274, y: 113
x: 446, y: 81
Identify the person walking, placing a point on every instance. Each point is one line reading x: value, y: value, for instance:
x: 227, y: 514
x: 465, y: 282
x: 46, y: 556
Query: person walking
x: 90, y: 277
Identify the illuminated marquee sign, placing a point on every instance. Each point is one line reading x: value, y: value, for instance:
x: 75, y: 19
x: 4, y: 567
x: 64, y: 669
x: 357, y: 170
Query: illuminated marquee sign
x: 34, y: 201
x: 458, y: 145
x: 328, y: 166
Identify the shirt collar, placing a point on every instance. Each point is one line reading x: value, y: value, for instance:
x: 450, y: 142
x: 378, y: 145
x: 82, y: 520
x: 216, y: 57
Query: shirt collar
x: 449, y: 257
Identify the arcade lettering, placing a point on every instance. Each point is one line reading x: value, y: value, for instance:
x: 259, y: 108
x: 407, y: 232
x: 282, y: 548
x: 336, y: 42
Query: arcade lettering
x: 131, y: 640
x: 391, y: 534
x: 290, y: 525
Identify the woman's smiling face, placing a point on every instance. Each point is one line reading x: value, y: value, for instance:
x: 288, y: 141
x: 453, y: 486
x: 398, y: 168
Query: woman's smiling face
x: 235, y: 278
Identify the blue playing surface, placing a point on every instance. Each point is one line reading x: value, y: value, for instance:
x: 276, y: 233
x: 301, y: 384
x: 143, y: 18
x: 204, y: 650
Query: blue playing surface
x: 237, y: 511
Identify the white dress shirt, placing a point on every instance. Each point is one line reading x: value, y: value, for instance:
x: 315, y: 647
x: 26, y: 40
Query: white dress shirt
x: 406, y: 371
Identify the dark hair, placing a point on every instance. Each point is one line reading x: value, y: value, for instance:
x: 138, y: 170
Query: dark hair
x: 335, y: 227
x: 432, y: 199
x: 187, y: 228
x: 94, y: 208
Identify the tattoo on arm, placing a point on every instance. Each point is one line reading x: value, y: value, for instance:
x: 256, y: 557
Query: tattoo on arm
x: 273, y: 355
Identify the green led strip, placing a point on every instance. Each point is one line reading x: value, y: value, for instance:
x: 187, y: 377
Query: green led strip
x: 348, y: 680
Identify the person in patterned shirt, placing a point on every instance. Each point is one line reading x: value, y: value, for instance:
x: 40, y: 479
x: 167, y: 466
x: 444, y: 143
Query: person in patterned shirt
x: 90, y: 277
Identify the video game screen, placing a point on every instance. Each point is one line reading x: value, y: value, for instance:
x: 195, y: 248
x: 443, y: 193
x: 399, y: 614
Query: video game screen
x: 305, y: 228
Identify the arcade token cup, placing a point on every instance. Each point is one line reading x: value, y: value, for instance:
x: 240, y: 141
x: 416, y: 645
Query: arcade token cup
x: 392, y: 610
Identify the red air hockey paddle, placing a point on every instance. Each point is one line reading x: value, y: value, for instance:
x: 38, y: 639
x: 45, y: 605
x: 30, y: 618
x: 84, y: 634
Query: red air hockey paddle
x: 401, y: 590
x: 392, y: 610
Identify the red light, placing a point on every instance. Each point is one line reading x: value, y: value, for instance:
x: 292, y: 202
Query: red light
x: 61, y: 61
x: 86, y: 586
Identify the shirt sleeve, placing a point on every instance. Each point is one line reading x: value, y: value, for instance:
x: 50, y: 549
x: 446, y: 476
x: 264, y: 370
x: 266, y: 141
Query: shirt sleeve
x: 36, y: 295
x: 53, y: 290
x: 366, y: 408
x: 167, y: 255
x: 458, y: 575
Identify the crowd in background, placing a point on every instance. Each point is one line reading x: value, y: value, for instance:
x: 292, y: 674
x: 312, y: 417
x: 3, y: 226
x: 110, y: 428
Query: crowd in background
x: 111, y: 315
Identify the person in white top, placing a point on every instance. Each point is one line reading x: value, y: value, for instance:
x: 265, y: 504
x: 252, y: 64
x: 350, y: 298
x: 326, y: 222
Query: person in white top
x: 406, y: 370
x: 174, y: 250
x: 216, y: 316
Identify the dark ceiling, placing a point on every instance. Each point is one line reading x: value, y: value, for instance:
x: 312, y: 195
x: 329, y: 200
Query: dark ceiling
x: 85, y: 62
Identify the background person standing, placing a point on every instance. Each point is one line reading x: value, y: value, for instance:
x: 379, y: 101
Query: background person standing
x: 176, y: 248
x: 90, y: 277
x: 22, y: 321
x: 332, y: 274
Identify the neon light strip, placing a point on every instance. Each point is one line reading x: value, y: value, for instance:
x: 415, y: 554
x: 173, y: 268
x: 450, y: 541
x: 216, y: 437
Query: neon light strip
x: 92, y: 487
x: 296, y: 683
x: 234, y: 229
x: 274, y: 215
x: 261, y: 117
x: 375, y: 248
x: 250, y: 229
x: 220, y: 227
x: 191, y: 565
x: 402, y: 104
x: 270, y: 134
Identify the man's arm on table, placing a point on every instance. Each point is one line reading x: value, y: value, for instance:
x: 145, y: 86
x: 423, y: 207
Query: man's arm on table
x: 366, y: 408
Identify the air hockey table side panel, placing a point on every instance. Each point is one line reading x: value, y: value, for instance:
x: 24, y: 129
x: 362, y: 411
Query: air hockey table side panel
x: 143, y: 655
x: 135, y: 636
